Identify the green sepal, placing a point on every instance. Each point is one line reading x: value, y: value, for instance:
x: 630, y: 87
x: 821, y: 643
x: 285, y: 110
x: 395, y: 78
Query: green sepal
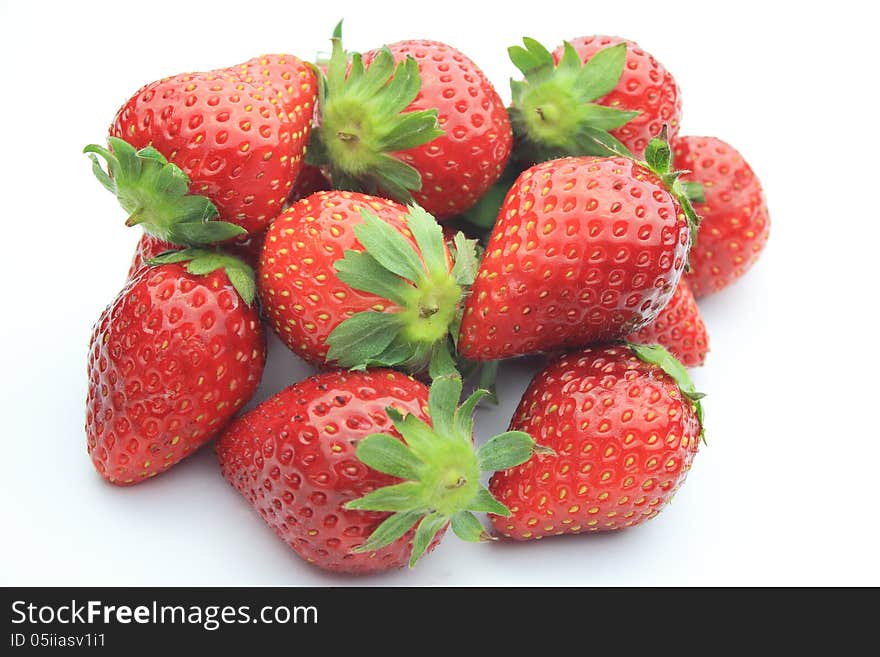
x: 364, y: 122
x: 440, y: 468
x: 657, y: 355
x: 658, y: 158
x: 392, y: 528
x: 399, y: 497
x: 387, y: 454
x: 485, y: 502
x: 694, y: 191
x: 155, y: 194
x: 200, y: 262
x: 364, y: 336
x: 466, y: 526
x: 553, y: 113
x: 428, y: 528
x: 505, y: 450
x: 425, y: 291
x: 443, y: 398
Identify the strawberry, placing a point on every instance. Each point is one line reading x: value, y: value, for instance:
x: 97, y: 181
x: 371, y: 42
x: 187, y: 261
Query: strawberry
x: 363, y: 471
x: 431, y: 128
x: 171, y: 360
x: 592, y: 96
x: 624, y: 423
x: 148, y: 247
x: 238, y: 134
x: 584, y: 250
x: 736, y: 221
x: 356, y: 281
x: 679, y: 328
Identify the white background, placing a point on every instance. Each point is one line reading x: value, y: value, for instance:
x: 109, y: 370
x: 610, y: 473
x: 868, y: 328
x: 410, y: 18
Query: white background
x: 786, y: 491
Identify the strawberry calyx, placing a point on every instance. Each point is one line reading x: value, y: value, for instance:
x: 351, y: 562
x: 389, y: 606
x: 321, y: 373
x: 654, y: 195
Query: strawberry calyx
x: 658, y: 158
x: 441, y: 470
x: 155, y: 194
x: 552, y: 110
x: 424, y: 290
x: 656, y: 354
x: 201, y: 262
x: 363, y: 122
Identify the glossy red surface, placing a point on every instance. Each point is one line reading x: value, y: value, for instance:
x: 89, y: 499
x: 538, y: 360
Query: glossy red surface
x: 679, y: 327
x: 735, y: 220
x: 293, y: 458
x: 241, y: 143
x: 624, y: 439
x: 584, y: 250
x: 171, y: 360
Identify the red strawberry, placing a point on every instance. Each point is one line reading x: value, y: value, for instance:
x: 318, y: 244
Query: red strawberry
x: 362, y: 281
x: 291, y: 80
x: 314, y: 462
x: 625, y: 424
x: 241, y: 143
x: 148, y: 247
x: 584, y: 250
x: 590, y: 97
x: 433, y: 126
x: 736, y: 222
x: 679, y: 328
x: 171, y: 360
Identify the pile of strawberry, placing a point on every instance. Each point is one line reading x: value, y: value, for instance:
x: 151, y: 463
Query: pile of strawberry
x: 337, y: 203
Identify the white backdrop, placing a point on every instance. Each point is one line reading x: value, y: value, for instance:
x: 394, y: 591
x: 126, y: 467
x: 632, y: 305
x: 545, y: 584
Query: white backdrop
x: 785, y: 492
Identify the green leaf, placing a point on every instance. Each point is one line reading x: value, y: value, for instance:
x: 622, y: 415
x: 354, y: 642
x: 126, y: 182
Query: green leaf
x: 362, y: 337
x: 442, y: 363
x: 658, y: 155
x: 403, y: 90
x: 602, y: 72
x: 601, y: 117
x: 591, y: 141
x: 429, y: 238
x: 205, y: 262
x: 413, y: 129
x: 420, y: 437
x: 570, y: 58
x: 389, y: 247
x: 391, y: 173
x: 442, y: 403
x: 387, y: 454
x: 468, y: 528
x: 694, y: 191
x: 243, y: 280
x: 363, y: 272
x: 397, y: 354
x: 531, y: 59
x: 155, y: 194
x: 428, y: 528
x: 172, y: 257
x: 464, y: 421
x: 467, y: 264
x: 389, y: 531
x: 485, y: 502
x: 398, y: 497
x: 488, y: 377
x: 505, y: 450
